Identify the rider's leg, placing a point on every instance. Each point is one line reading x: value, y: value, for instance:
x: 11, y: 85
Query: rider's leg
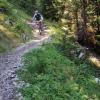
x: 40, y: 28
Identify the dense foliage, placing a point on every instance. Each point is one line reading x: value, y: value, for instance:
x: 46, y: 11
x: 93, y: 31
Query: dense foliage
x: 51, y: 76
x: 55, y: 71
x: 13, y: 26
x: 80, y: 16
x: 27, y: 5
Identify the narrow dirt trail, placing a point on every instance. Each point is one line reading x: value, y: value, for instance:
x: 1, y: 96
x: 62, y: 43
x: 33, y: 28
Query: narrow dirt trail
x: 10, y: 62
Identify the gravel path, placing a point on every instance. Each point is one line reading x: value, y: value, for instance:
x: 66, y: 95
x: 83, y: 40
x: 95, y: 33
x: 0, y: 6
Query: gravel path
x: 9, y: 63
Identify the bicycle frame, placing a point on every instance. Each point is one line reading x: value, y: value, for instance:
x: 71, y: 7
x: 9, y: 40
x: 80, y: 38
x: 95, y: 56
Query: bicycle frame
x: 37, y: 25
x: 40, y: 26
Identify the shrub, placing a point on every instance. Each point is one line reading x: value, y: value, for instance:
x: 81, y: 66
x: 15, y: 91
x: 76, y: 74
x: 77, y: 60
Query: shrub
x: 54, y: 77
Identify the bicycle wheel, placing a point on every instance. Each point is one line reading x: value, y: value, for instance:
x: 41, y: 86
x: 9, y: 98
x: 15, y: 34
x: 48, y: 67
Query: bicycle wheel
x: 40, y: 28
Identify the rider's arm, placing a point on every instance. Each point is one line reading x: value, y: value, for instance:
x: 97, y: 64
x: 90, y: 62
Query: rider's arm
x: 33, y: 19
x: 42, y: 18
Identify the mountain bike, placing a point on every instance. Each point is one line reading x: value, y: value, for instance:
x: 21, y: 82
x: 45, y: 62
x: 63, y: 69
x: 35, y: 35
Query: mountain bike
x: 40, y: 27
x: 37, y: 25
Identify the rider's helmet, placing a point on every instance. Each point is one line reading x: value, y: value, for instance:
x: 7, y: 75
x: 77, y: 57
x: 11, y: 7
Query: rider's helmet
x: 36, y: 11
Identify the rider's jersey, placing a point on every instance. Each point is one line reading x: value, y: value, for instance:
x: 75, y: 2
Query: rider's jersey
x: 38, y: 17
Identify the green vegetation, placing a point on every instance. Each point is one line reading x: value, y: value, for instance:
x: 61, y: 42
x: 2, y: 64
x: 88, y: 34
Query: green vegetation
x: 53, y: 76
x: 13, y: 26
x: 53, y: 73
x: 79, y: 17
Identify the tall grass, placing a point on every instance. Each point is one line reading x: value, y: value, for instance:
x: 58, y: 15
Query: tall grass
x: 53, y: 76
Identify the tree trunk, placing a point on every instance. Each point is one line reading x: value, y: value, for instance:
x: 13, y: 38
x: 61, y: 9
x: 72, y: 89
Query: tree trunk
x: 84, y: 15
x: 84, y: 23
x: 76, y: 16
x: 98, y: 14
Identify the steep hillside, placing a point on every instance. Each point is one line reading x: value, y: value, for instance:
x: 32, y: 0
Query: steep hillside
x: 13, y: 27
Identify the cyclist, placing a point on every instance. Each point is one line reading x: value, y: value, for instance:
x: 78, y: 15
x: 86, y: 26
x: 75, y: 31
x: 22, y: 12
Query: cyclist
x: 38, y: 18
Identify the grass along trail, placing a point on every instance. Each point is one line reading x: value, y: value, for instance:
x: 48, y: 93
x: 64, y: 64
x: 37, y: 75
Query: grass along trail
x: 10, y: 62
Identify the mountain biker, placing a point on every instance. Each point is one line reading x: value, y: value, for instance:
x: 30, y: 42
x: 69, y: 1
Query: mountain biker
x: 38, y: 18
